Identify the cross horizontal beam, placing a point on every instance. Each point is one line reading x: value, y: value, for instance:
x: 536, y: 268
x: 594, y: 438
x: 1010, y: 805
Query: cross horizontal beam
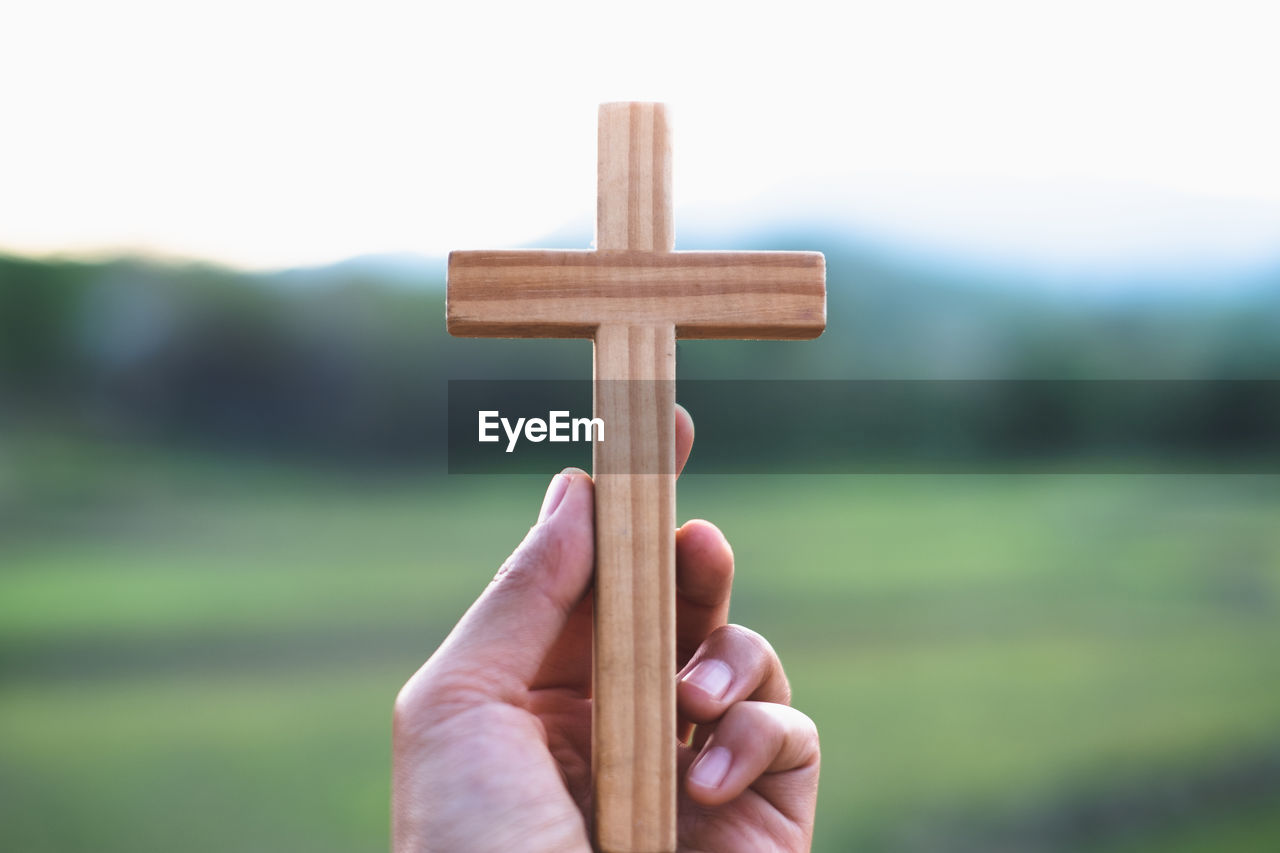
x: 569, y: 294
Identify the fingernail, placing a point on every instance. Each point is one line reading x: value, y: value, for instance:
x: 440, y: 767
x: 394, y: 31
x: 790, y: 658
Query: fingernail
x: 555, y: 493
x: 709, y: 770
x: 712, y: 677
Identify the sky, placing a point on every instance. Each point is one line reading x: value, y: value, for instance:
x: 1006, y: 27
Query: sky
x: 270, y: 134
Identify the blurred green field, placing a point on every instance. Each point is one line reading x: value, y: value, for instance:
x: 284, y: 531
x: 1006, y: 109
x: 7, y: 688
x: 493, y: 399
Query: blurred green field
x: 200, y: 653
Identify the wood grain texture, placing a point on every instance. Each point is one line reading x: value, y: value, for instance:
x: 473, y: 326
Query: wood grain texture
x: 634, y: 662
x: 633, y: 179
x: 761, y: 295
x: 634, y: 296
x: 633, y: 732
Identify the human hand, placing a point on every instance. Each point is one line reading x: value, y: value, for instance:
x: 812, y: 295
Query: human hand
x: 491, y: 743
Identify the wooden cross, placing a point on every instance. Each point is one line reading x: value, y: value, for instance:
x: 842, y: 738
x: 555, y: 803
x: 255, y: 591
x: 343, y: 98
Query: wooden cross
x: 633, y: 296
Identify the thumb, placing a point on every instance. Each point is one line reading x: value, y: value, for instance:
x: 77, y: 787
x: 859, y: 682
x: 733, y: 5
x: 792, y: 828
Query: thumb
x: 501, y: 641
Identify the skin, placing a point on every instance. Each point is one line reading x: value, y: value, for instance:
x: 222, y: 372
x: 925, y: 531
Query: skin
x: 492, y: 736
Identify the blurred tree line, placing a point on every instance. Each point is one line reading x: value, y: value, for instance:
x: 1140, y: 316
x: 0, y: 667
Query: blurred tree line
x: 352, y: 361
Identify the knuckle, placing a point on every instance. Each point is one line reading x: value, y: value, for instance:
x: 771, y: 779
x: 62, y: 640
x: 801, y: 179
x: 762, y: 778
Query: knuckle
x: 435, y: 694
x: 801, y: 731
x: 742, y: 635
x: 797, y: 738
x: 401, y: 707
x: 806, y: 728
x: 537, y: 548
x: 810, y: 740
x: 763, y: 655
x: 407, y: 710
x: 527, y: 572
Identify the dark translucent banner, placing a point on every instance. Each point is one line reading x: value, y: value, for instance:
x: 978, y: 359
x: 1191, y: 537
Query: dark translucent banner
x: 891, y: 426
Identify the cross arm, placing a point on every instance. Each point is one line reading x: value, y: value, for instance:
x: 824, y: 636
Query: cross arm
x: 567, y: 294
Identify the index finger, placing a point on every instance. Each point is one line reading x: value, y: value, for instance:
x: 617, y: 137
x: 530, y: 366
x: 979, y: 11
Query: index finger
x: 704, y: 581
x: 704, y: 566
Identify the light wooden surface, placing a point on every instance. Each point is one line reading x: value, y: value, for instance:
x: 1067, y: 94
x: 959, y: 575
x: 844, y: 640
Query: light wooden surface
x: 634, y: 296
x: 764, y: 295
x: 633, y: 690
x: 633, y: 179
x: 633, y: 720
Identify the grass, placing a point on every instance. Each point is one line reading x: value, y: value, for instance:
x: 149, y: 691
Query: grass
x: 200, y: 653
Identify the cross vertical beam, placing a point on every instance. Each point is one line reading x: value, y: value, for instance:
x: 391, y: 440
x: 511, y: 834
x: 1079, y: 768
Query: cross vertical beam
x: 633, y: 179
x: 633, y: 691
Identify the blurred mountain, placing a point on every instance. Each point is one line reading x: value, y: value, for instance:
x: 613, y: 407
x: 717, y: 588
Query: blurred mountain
x: 1106, y: 239
x: 406, y: 269
x: 352, y: 359
x: 1069, y: 232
